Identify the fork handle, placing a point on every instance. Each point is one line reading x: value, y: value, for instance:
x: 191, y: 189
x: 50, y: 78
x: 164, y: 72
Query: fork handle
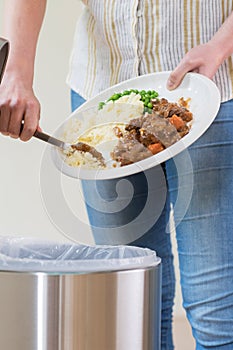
x: 4, y: 51
x: 50, y: 139
x: 47, y: 138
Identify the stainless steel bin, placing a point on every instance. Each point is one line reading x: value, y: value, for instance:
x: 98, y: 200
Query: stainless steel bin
x: 106, y: 310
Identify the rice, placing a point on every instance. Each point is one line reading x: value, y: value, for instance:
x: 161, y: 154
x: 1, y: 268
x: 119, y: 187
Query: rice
x: 96, y: 129
x: 82, y: 159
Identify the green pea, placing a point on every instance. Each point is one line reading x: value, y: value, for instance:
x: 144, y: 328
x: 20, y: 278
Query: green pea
x: 115, y: 97
x: 149, y: 105
x: 101, y: 104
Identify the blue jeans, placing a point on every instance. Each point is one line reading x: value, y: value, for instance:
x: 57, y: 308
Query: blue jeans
x: 204, y: 235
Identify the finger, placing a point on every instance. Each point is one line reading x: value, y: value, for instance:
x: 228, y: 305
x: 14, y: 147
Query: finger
x: 178, y: 74
x: 31, y: 121
x: 4, y: 120
x: 16, y: 117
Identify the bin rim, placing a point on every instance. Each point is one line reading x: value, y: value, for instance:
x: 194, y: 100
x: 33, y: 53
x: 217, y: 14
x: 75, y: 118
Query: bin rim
x: 20, y: 254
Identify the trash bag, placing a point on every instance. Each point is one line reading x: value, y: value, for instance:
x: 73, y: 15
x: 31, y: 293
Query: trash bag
x: 35, y: 255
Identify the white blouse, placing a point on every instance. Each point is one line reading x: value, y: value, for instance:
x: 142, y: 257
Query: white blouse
x: 120, y: 39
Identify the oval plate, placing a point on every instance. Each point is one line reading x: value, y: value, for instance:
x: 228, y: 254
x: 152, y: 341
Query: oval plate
x: 204, y: 104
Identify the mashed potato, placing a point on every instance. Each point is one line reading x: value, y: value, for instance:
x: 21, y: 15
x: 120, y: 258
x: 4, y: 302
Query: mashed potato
x: 122, y: 110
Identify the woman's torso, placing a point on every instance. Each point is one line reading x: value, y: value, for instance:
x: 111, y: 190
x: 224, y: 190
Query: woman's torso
x: 116, y: 40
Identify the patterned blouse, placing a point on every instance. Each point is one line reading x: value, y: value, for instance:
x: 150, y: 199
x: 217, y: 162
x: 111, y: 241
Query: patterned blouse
x: 120, y: 39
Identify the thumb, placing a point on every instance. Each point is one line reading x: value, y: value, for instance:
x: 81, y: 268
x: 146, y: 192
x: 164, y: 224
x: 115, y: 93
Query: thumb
x: 175, y: 78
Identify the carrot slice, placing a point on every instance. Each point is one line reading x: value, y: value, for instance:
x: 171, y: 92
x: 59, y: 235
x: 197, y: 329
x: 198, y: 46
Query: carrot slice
x: 177, y: 122
x: 155, y: 148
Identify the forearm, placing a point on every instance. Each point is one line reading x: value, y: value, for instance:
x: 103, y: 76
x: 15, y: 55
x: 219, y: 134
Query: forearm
x: 223, y: 39
x: 22, y: 23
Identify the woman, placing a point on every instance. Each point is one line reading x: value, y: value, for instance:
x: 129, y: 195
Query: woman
x: 116, y: 40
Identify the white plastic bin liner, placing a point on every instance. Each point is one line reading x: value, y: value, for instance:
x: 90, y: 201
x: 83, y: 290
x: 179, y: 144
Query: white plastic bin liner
x: 35, y: 255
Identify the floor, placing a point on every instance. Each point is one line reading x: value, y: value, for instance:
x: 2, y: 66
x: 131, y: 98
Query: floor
x: 183, y: 339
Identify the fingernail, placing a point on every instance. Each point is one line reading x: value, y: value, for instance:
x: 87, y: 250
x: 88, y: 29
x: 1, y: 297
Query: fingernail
x: 170, y: 84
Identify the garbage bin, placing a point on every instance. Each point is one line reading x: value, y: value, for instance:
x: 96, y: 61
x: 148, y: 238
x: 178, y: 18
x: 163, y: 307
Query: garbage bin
x: 74, y: 297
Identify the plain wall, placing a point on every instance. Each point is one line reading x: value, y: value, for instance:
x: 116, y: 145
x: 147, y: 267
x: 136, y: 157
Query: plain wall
x: 22, y: 210
x: 21, y: 206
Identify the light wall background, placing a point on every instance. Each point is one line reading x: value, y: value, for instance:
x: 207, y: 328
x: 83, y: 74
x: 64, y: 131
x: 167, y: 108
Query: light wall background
x: 21, y: 207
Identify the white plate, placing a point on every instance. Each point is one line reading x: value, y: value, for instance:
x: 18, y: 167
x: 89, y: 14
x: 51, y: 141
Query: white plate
x: 204, y: 104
